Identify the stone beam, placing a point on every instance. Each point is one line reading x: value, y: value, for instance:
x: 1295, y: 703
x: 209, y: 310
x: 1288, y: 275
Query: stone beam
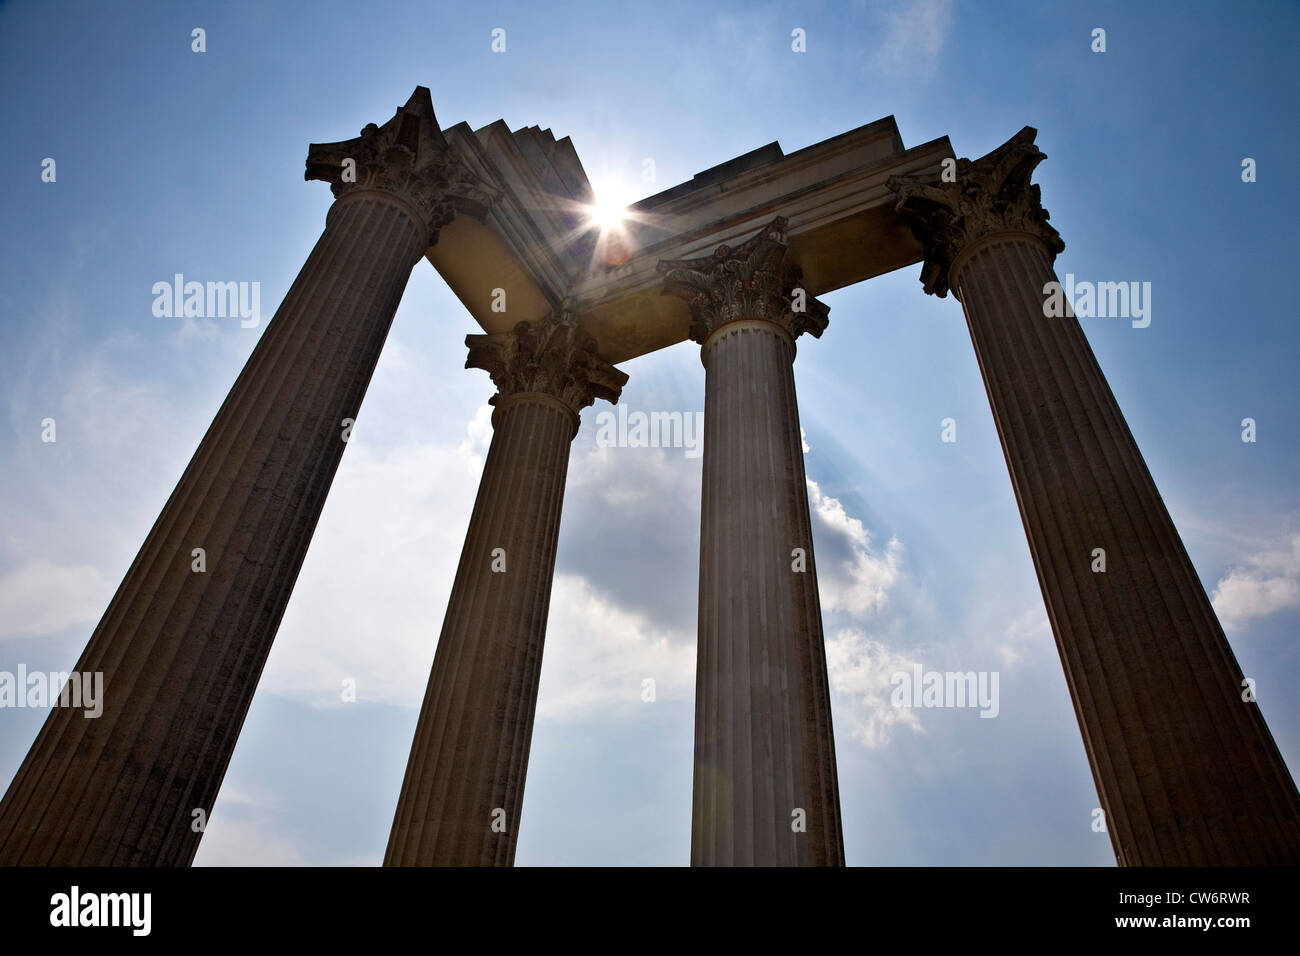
x: 535, y: 243
x: 527, y: 244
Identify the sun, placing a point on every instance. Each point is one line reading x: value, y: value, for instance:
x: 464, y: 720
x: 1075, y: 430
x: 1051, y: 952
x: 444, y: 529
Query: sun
x: 609, y: 208
x: 606, y: 215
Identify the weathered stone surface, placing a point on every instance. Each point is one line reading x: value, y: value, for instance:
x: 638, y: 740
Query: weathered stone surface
x: 1187, y: 772
x: 766, y: 791
x: 464, y: 786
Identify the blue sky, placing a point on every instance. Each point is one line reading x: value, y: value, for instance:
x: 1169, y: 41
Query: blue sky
x: 171, y: 161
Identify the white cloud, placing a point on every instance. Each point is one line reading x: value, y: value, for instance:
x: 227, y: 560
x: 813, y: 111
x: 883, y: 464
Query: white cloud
x: 479, y: 435
x: 1025, y: 635
x: 858, y: 580
x: 188, y: 332
x: 229, y: 841
x: 41, y: 597
x: 641, y: 478
x: 598, y: 654
x: 860, y: 670
x: 246, y: 830
x: 87, y: 503
x: 369, y: 602
x: 1268, y: 582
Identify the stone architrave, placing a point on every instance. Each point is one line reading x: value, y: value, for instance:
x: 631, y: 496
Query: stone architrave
x: 1186, y: 769
x: 463, y: 792
x: 765, y: 792
x: 181, y: 649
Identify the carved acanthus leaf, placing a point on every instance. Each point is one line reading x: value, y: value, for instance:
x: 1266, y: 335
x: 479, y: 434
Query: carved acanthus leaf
x: 989, y: 195
x: 410, y: 158
x: 754, y: 280
x: 551, y: 357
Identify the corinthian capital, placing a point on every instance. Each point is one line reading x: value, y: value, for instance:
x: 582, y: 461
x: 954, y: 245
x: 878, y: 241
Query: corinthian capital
x: 990, y: 195
x: 550, y: 357
x: 755, y: 280
x: 409, y: 158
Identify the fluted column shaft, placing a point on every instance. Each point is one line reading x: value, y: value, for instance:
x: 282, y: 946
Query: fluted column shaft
x: 764, y: 753
x: 1186, y: 769
x: 463, y: 791
x: 181, y: 650
x: 470, y: 752
x: 1187, y: 772
x: 765, y: 789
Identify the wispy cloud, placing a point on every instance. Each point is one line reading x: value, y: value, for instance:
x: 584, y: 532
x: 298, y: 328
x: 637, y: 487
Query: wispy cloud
x: 1267, y: 582
x: 912, y: 36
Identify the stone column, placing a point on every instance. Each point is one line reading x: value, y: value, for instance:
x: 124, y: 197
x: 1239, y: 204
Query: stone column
x: 766, y: 792
x: 181, y: 649
x: 464, y: 786
x: 1187, y: 772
